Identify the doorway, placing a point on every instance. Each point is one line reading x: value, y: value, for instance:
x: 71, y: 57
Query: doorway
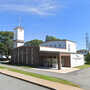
x: 65, y: 61
x: 50, y: 62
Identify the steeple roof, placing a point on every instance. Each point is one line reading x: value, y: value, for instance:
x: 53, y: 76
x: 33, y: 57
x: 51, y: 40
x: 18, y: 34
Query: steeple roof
x: 18, y: 27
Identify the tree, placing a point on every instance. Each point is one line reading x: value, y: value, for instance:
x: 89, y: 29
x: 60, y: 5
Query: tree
x: 6, y: 43
x: 34, y: 42
x: 51, y: 38
x: 87, y: 58
x: 2, y: 48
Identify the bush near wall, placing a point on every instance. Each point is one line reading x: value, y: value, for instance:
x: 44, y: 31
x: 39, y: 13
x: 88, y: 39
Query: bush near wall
x: 87, y: 58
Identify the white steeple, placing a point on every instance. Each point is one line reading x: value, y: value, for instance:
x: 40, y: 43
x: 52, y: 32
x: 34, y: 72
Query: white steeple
x: 18, y: 36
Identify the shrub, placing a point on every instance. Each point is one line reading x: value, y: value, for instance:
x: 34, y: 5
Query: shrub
x: 87, y: 58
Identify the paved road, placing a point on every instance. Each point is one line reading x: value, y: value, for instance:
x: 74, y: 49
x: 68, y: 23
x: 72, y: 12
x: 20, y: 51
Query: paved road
x: 9, y: 83
x: 81, y: 77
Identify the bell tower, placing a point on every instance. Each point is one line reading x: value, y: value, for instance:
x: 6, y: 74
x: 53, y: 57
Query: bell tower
x: 18, y: 36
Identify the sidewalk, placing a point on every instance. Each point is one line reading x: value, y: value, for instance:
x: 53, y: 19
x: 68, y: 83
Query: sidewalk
x: 41, y: 82
x: 63, y: 70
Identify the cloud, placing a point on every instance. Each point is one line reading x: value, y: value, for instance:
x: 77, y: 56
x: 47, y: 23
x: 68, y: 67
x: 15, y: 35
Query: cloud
x: 40, y: 7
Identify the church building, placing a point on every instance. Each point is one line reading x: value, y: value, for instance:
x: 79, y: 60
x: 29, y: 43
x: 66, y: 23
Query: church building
x: 51, y: 54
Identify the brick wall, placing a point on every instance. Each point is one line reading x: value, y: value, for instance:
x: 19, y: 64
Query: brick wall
x: 25, y: 56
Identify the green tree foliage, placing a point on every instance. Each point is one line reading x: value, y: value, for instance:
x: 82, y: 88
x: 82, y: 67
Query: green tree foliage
x: 6, y: 43
x: 34, y: 42
x: 51, y: 38
x: 87, y: 58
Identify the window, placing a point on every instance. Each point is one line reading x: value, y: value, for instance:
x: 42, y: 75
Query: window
x: 60, y: 45
x: 50, y: 45
x: 64, y: 46
x: 55, y: 46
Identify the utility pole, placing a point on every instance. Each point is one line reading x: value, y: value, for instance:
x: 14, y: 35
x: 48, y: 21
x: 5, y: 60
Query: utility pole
x: 87, y: 41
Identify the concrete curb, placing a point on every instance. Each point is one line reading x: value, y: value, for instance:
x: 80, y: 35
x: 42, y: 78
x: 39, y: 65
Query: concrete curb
x: 28, y: 81
x: 40, y: 82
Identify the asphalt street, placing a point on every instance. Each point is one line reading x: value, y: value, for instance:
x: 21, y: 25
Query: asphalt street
x: 9, y: 83
x: 80, y: 77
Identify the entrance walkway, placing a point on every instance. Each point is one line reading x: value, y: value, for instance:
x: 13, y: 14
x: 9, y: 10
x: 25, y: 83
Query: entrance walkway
x: 63, y: 69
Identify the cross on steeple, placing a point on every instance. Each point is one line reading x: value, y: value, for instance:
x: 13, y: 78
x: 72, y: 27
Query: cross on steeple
x: 20, y: 21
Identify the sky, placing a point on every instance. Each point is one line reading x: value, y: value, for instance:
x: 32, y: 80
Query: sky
x: 64, y: 19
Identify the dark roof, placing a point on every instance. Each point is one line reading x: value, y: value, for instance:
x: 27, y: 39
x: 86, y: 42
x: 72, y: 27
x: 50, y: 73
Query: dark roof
x: 18, y: 27
x: 28, y: 47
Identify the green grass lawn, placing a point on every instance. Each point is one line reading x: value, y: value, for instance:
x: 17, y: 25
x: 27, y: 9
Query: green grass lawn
x: 84, y: 66
x: 53, y: 79
x: 23, y: 66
